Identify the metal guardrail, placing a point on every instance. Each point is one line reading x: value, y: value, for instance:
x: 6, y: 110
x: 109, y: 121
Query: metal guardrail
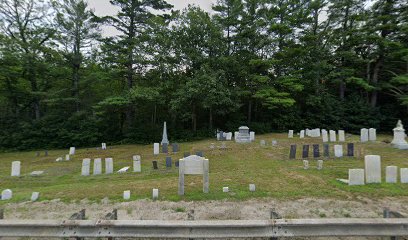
x: 204, y: 229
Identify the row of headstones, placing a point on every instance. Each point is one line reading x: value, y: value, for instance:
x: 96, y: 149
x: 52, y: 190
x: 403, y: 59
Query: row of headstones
x: 263, y: 143
x: 97, y: 166
x: 326, y: 136
x: 165, y: 148
x: 338, y: 151
x: 319, y: 164
x: 368, y: 134
x: 372, y: 172
x: 16, y: 170
x: 8, y: 194
x: 222, y: 136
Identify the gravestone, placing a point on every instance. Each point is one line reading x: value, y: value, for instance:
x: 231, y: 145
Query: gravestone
x: 225, y: 189
x: 229, y: 136
x: 6, y: 194
x: 168, y: 162
x: 307, y: 132
x: 35, y: 196
x: 137, y: 167
x: 252, y: 187
x: 200, y: 153
x: 305, y: 152
x: 97, y: 167
x: 290, y: 134
x: 316, y: 150
x: 58, y: 159
x: 126, y: 195
x: 236, y: 135
x: 45, y: 153
x: 156, y: 149
x: 155, y: 193
x: 15, y: 168
x: 338, y: 150
x: 399, y: 137
x: 292, y: 153
x: 332, y: 136
x: 175, y: 147
x: 36, y: 173
x: 165, y: 148
x: 186, y: 154
x: 319, y: 164
x: 404, y: 175
x: 391, y: 174
x: 155, y: 165
x: 103, y: 146
x: 263, y: 143
x: 86, y: 166
x: 244, y: 135
x: 72, y: 151
x: 326, y: 150
x: 342, y: 136
x: 305, y: 164
x: 372, y: 134
x: 108, y: 165
x: 164, y: 137
x: 302, y: 134
x: 372, y: 168
x: 193, y: 165
x: 252, y: 136
x: 124, y: 169
x: 325, y: 136
x: 356, y: 177
x: 350, y: 149
x: 364, y: 135
x: 176, y: 164
x: 67, y: 157
x: 274, y: 143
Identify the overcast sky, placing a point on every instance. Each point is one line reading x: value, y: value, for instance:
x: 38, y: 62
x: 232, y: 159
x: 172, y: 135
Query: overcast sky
x: 103, y: 8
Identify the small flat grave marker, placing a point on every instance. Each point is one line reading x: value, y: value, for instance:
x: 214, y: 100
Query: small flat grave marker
x: 225, y: 189
x: 126, y: 195
x: 35, y: 196
x: 252, y: 187
x: 155, y: 193
x: 36, y: 173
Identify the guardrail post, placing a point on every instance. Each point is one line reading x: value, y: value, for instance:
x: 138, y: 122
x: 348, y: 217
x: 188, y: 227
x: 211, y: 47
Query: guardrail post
x: 78, y: 216
x: 112, y: 216
x: 190, y: 217
x: 390, y: 214
x: 274, y: 215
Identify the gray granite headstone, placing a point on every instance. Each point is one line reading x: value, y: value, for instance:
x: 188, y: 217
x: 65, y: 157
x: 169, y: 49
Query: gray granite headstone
x: 175, y: 147
x: 155, y: 165
x: 350, y: 149
x: 292, y: 153
x: 168, y: 162
x: 316, y: 151
x: 165, y: 148
x: 326, y: 152
x: 305, y: 152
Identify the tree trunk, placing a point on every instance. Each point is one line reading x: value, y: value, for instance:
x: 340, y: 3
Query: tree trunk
x: 374, y: 80
x: 342, y: 89
x: 249, y: 111
x: 211, y: 119
x: 75, y: 86
x: 194, y: 118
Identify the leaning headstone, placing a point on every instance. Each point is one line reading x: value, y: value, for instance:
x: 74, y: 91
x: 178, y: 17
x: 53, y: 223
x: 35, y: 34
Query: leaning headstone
x: 404, y: 175
x: 372, y: 134
x: 252, y: 136
x: 72, y: 151
x: 156, y: 148
x: 124, y: 169
x: 338, y: 150
x: 200, y: 153
x: 58, y: 159
x: 391, y: 174
x: 364, y: 135
x: 373, y: 168
x: 36, y: 173
x: 15, y: 168
x: 332, y: 136
x: 67, y: 157
x: 126, y: 195
x: 326, y: 151
x: 399, y: 137
x: 137, y: 167
x: 290, y: 134
x: 263, y: 143
x: 342, y: 136
x: 168, y: 162
x: 316, y: 151
x: 225, y: 189
x: 164, y: 137
x: 356, y: 177
x: 252, y: 187
x: 6, y: 194
x: 305, y: 164
x: 103, y: 146
x: 350, y: 149
x: 175, y: 147
x: 319, y: 164
x: 97, y: 167
x: 155, y: 193
x: 302, y: 134
x: 86, y: 166
x: 109, y: 165
x: 165, y: 148
x: 155, y: 165
x: 292, y: 153
x: 186, y: 154
x: 325, y: 136
x: 305, y: 152
x: 35, y: 196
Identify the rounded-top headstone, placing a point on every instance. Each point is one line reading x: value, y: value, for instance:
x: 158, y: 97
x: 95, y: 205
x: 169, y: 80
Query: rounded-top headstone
x: 6, y: 194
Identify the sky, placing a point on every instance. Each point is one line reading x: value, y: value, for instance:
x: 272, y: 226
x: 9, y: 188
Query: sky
x: 103, y: 8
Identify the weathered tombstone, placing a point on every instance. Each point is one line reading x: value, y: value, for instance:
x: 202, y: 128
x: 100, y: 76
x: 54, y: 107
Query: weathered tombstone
x: 67, y: 157
x: 252, y: 136
x: 350, y: 149
x: 326, y: 150
x: 97, y: 167
x: 175, y: 147
x: 274, y: 143
x: 391, y: 174
x: 35, y: 196
x: 137, y: 167
x: 176, y: 164
x: 292, y: 153
x: 316, y: 150
x: 200, y: 153
x: 338, y: 150
x: 165, y: 148
x: 332, y: 136
x: 305, y: 152
x: 86, y: 166
x: 193, y: 165
x: 364, y: 135
x: 244, y: 135
x: 302, y: 134
x: 307, y: 132
x: 252, y: 187
x: 342, y: 136
x: 305, y: 164
x: 155, y: 165
x: 373, y: 168
x: 6, y: 194
x: 126, y: 195
x: 164, y: 137
x: 225, y: 189
x: 290, y: 134
x: 15, y: 168
x: 263, y: 143
x: 236, y: 135
x: 399, y: 137
x: 72, y: 151
x: 36, y: 173
x: 156, y: 148
x: 123, y: 170
x: 372, y: 134
x: 356, y: 177
x: 325, y: 136
x: 103, y: 146
x: 229, y: 136
x: 155, y: 193
x: 109, y: 165
x: 168, y: 162
x: 404, y: 175
x: 186, y: 154
x: 319, y: 164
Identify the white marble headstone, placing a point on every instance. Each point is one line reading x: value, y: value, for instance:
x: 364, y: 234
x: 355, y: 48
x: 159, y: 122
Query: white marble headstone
x: 103, y: 146
x: 290, y: 134
x: 225, y: 189
x: 6, y: 194
x: 72, y: 151
x: 364, y: 135
x: 86, y: 166
x: 372, y: 134
x: 302, y: 134
x: 155, y: 193
x: 332, y: 136
x: 156, y: 148
x: 35, y: 196
x: 404, y: 175
x: 137, y: 167
x: 252, y: 187
x: 319, y: 164
x: 252, y: 136
x: 391, y: 174
x: 236, y: 135
x: 15, y: 168
x: 108, y: 165
x: 325, y: 136
x: 67, y: 157
x: 124, y: 169
x: 372, y: 168
x: 338, y: 150
x: 229, y: 136
x: 356, y: 177
x: 97, y: 167
x: 342, y: 136
x: 305, y: 164
x: 126, y: 195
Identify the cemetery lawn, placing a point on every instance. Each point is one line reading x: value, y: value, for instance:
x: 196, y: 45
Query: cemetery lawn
x: 268, y: 167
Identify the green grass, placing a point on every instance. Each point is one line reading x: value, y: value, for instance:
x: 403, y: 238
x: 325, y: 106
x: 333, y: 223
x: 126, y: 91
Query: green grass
x: 268, y: 167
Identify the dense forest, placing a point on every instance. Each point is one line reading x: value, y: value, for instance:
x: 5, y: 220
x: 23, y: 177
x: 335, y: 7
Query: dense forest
x: 272, y: 65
